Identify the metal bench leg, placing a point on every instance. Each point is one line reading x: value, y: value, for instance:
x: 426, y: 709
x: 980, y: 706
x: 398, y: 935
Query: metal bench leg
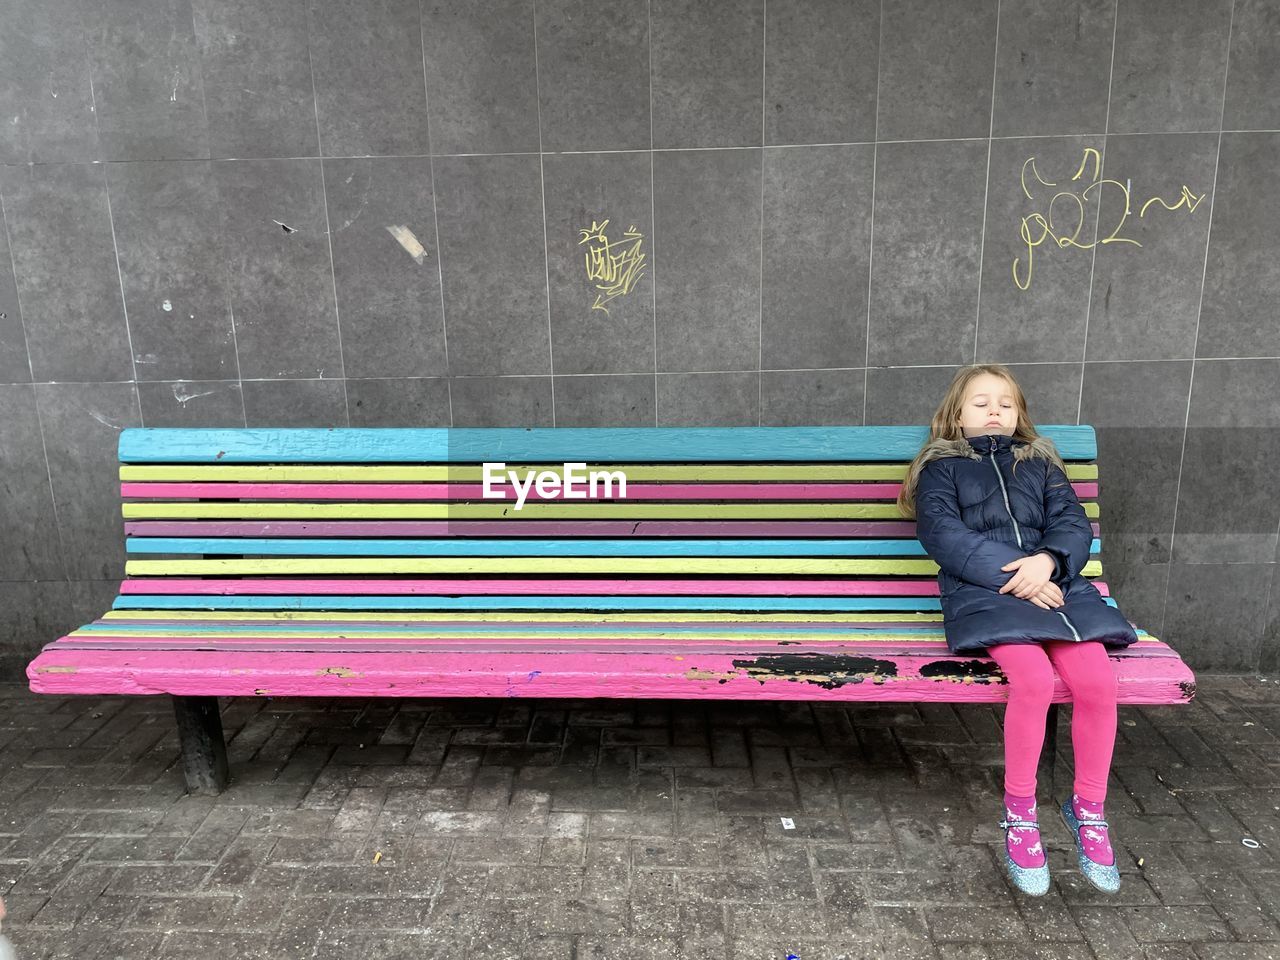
x: 1048, y: 766
x: 204, y: 751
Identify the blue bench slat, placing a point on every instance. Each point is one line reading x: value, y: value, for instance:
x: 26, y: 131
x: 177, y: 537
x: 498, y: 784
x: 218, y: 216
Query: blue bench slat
x: 547, y: 444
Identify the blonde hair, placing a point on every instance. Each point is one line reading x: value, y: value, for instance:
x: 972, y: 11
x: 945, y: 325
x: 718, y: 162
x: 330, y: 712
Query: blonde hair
x: 945, y: 426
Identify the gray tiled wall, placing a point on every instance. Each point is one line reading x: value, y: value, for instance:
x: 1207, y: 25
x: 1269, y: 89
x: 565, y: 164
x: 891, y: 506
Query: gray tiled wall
x: 196, y: 196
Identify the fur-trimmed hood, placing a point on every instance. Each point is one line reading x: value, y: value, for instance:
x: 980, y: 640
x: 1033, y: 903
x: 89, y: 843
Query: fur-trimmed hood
x: 961, y: 447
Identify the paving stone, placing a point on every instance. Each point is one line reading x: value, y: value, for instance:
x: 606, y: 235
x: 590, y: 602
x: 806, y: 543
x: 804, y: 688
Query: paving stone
x: 578, y: 829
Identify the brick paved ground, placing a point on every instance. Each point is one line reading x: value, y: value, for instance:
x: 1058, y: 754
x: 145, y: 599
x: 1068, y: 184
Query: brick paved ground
x: 636, y: 830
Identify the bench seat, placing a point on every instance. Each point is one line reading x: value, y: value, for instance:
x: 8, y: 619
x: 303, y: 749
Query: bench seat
x: 765, y: 563
x: 763, y: 659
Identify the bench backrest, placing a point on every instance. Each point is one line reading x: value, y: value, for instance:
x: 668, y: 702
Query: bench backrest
x: 714, y: 519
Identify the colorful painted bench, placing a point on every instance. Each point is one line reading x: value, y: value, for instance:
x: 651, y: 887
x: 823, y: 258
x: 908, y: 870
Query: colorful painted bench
x: 764, y: 563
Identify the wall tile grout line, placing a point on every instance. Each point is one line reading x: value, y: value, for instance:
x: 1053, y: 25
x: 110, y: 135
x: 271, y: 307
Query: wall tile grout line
x: 435, y: 220
x: 568, y: 153
x: 871, y: 226
x: 35, y: 397
x: 653, y: 221
x: 764, y: 63
x: 333, y: 280
x: 986, y: 190
x: 1272, y: 599
x: 51, y: 580
x: 666, y: 373
x: 542, y: 189
x: 1097, y: 219
x: 1195, y: 342
x: 93, y: 104
x: 235, y: 347
x: 328, y: 229
x: 231, y: 307
x: 124, y: 306
x: 199, y: 60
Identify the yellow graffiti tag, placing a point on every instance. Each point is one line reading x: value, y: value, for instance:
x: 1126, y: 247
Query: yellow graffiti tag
x: 1067, y: 233
x: 618, y: 265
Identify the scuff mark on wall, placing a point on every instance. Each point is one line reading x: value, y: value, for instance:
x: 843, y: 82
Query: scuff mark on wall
x: 182, y: 396
x: 104, y: 420
x: 364, y: 202
x: 404, y: 236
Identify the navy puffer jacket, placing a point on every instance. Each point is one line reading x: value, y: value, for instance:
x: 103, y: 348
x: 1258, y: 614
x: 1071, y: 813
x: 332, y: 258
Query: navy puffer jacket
x: 975, y: 513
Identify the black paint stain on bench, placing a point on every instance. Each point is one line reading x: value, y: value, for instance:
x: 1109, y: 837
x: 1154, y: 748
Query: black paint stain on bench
x: 972, y: 671
x: 824, y: 670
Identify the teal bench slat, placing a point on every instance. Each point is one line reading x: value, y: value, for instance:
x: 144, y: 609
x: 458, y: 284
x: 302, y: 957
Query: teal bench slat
x: 536, y: 444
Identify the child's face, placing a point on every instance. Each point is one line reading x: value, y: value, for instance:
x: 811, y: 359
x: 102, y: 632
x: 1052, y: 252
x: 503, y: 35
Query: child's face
x: 988, y: 407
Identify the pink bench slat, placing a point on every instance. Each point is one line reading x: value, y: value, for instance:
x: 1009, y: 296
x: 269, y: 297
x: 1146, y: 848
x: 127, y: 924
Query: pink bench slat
x: 475, y: 491
x: 774, y: 676
x: 797, y: 587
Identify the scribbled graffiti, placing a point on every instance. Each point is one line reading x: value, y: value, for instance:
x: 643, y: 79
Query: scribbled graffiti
x: 1038, y: 227
x: 615, y: 266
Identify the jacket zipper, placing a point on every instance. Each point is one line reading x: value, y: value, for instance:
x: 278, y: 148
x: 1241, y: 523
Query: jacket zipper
x: 1016, y: 532
x: 1069, y: 624
x: 1004, y: 493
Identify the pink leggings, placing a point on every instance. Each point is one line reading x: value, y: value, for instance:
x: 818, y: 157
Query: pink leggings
x: 1087, y: 672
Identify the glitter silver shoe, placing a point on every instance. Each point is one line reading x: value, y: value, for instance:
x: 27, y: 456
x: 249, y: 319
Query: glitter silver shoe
x: 1103, y: 876
x: 1033, y: 881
